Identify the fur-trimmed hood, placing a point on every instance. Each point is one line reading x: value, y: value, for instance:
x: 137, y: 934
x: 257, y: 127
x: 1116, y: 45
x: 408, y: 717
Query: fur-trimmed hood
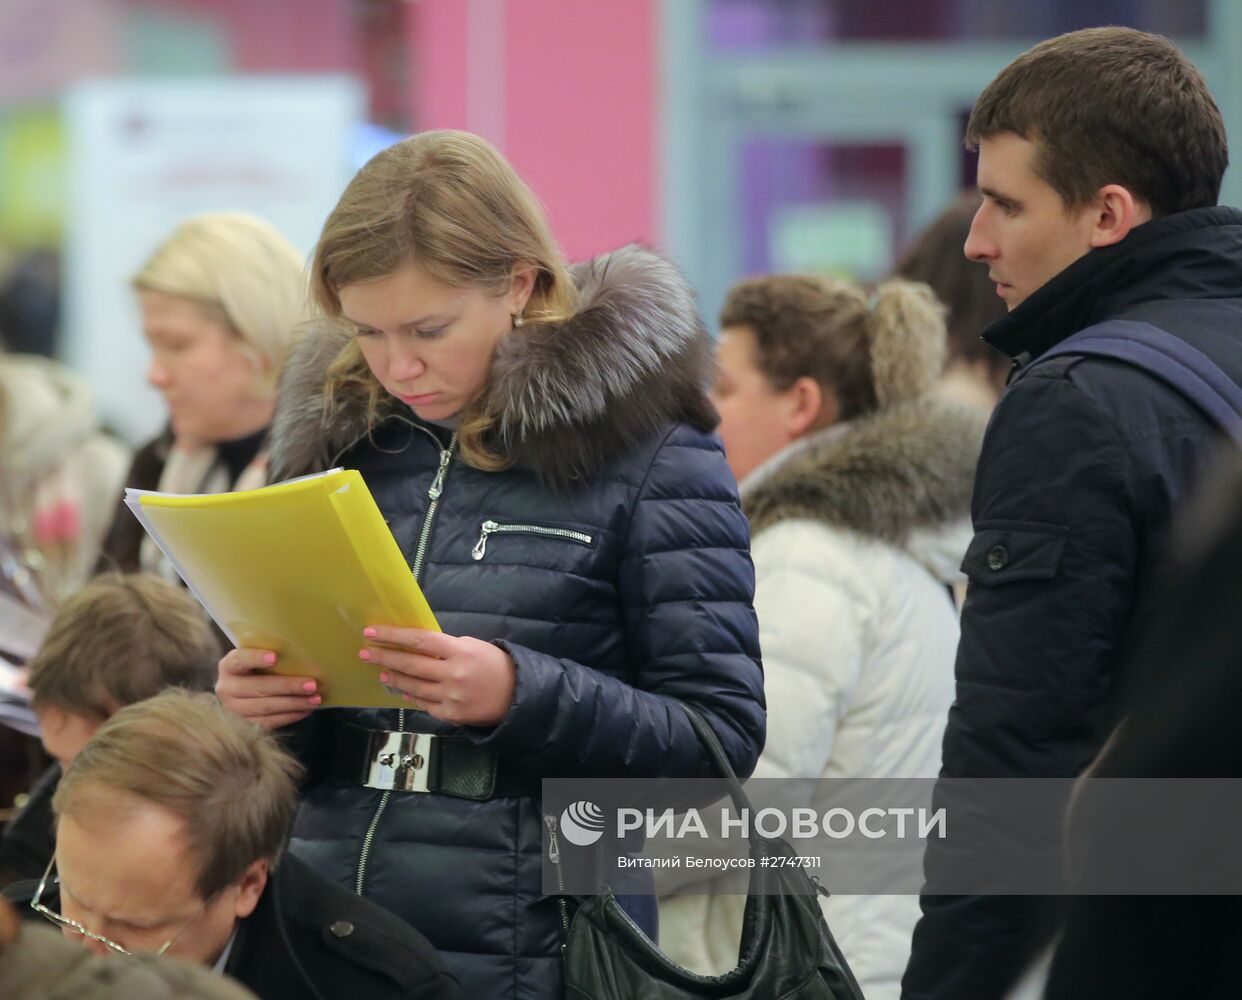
x: 569, y: 395
x: 903, y: 475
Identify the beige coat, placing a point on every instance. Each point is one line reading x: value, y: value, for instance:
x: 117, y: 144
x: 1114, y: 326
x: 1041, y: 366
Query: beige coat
x: 59, y: 474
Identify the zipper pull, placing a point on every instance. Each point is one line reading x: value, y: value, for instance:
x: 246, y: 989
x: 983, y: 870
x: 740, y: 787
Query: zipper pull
x: 820, y: 887
x: 480, y: 547
x: 554, y: 850
x: 437, y: 484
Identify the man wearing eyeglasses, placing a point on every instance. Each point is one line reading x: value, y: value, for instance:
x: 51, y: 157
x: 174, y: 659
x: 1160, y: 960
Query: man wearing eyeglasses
x: 171, y: 825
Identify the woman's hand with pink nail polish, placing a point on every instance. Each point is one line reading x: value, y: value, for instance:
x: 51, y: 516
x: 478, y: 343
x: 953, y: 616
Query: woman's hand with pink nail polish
x: 246, y: 685
x: 455, y: 678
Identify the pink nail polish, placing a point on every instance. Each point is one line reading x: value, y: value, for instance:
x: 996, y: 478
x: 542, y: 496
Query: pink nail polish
x: 383, y: 678
x: 315, y: 700
x: 269, y: 659
x: 405, y: 697
x: 369, y: 632
x: 364, y: 654
x: 308, y: 686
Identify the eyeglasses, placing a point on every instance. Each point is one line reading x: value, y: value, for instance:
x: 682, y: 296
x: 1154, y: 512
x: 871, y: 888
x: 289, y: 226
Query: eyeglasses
x: 72, y: 925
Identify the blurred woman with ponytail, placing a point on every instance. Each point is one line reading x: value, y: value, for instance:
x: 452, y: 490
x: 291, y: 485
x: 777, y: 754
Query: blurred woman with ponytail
x: 856, y: 477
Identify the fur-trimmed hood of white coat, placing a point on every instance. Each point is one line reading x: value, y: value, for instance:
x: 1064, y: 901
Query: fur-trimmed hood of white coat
x: 902, y: 475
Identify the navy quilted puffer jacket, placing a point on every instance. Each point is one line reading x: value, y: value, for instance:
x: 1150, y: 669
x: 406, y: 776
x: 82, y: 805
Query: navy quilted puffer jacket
x: 618, y: 578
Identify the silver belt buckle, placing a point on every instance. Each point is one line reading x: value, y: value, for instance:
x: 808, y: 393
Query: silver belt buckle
x: 399, y: 761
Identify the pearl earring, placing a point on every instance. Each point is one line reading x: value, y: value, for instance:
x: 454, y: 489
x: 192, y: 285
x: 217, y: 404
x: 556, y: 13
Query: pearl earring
x: 517, y: 319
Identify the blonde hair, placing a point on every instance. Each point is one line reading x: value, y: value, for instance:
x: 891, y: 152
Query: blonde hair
x: 869, y: 352
x: 239, y: 271
x: 451, y: 204
x: 230, y: 782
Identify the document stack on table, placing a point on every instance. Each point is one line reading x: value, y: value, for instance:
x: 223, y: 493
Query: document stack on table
x: 299, y: 568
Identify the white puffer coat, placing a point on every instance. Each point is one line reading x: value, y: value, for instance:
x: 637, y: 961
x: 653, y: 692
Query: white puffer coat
x: 858, y: 534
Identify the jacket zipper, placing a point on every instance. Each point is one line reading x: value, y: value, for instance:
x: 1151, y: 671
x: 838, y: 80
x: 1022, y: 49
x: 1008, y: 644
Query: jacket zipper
x: 494, y: 527
x: 437, y: 489
x: 434, y: 494
x: 554, y: 855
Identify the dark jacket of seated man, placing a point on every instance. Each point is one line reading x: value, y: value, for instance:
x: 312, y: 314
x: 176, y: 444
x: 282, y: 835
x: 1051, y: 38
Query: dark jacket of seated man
x: 311, y: 939
x: 28, y: 839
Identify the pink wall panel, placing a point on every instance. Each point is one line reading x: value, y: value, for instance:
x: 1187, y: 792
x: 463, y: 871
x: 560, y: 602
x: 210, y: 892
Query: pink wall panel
x: 437, y: 43
x: 566, y: 88
x: 277, y: 36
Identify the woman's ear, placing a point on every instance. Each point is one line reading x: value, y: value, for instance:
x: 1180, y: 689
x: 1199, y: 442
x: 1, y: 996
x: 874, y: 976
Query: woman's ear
x: 521, y: 286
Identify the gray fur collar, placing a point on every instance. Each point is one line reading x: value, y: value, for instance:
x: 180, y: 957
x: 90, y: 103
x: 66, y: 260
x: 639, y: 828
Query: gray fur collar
x: 903, y: 469
x: 569, y: 395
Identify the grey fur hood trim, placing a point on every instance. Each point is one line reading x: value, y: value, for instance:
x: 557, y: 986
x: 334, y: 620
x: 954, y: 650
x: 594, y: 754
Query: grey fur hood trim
x: 887, y: 475
x: 569, y: 396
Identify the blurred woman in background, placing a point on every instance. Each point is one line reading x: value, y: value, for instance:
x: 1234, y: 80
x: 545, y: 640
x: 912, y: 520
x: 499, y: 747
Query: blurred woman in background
x: 220, y: 300
x: 856, y: 477
x: 976, y: 371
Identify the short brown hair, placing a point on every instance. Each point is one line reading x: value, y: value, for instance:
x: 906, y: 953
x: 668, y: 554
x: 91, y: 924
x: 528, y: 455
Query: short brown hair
x: 1111, y: 106
x: 868, y: 352
x: 120, y: 639
x: 229, y: 781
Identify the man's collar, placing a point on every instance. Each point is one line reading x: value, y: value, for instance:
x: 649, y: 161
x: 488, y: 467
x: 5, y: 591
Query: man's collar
x: 222, y: 961
x: 1151, y: 263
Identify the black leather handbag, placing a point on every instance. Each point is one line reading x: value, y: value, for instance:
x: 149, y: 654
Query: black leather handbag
x: 787, y: 951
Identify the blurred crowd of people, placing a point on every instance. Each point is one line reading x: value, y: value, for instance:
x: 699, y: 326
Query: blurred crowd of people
x: 968, y: 523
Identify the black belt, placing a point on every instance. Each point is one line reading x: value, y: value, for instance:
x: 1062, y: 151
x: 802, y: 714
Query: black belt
x: 421, y: 762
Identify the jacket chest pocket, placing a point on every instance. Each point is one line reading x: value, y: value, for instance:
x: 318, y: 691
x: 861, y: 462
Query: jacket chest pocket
x: 490, y: 531
x: 1013, y: 551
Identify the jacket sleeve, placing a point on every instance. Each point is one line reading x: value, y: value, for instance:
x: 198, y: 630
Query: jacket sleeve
x: 28, y: 840
x: 1051, y: 571
x: 810, y: 629
x: 686, y: 586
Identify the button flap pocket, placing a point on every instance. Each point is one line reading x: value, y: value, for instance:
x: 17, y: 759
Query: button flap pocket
x: 1019, y: 551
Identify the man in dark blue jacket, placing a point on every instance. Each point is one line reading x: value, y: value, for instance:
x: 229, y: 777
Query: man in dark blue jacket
x: 1101, y: 155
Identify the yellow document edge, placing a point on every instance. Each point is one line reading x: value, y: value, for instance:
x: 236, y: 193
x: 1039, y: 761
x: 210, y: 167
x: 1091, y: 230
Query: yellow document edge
x: 408, y: 600
x: 133, y: 500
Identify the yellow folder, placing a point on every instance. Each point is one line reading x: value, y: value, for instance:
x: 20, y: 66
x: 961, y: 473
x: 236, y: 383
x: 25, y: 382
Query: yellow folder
x: 300, y: 568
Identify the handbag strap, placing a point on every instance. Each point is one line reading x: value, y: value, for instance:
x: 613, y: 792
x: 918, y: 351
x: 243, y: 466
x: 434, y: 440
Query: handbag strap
x: 1181, y: 366
x: 711, y: 743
